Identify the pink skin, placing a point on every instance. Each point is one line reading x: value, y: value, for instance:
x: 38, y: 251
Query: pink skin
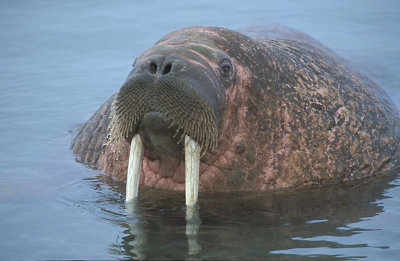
x: 280, y: 126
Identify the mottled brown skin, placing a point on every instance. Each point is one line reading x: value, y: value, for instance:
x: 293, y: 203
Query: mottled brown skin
x: 295, y: 115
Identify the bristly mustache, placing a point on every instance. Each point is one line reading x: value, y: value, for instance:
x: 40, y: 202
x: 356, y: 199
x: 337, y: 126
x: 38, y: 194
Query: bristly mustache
x: 181, y: 105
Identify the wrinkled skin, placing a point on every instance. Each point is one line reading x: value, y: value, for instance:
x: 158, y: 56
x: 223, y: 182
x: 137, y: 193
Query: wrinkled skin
x: 291, y: 113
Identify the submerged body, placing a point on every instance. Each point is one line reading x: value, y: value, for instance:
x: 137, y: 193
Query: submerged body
x: 268, y: 113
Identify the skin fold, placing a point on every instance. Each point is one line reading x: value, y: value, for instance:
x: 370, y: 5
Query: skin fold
x: 270, y: 112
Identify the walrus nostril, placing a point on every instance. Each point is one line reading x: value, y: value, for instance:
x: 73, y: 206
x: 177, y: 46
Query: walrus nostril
x: 153, y: 67
x: 156, y: 66
x: 167, y: 69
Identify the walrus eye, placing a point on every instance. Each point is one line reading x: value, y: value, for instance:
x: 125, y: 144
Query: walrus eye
x: 226, y: 68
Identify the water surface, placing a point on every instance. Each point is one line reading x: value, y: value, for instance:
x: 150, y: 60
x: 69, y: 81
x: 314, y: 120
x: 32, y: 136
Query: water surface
x: 59, y: 60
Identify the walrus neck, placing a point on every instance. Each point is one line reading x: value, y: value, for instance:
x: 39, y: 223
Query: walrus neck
x: 168, y: 172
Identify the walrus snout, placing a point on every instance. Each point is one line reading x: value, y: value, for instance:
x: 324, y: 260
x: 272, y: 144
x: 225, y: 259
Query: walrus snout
x: 185, y: 91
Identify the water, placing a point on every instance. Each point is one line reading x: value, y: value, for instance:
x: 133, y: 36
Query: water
x: 59, y: 60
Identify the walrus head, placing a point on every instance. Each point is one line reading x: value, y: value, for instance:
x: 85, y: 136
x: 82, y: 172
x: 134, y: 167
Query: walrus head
x: 176, y: 89
x: 173, y: 91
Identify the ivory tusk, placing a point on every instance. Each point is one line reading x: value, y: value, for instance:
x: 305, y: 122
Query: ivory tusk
x: 192, y: 163
x: 134, y: 166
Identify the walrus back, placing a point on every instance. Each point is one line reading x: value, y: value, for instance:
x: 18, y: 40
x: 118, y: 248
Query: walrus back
x: 339, y: 122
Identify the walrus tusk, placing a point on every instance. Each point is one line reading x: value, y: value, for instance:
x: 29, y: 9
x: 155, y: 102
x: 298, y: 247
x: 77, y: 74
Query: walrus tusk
x: 134, y: 166
x: 192, y: 163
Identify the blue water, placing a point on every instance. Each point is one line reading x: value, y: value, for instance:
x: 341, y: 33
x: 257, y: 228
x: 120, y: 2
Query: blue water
x: 60, y: 60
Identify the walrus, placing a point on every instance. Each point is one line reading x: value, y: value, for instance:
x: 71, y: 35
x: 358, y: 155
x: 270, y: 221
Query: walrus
x: 251, y: 113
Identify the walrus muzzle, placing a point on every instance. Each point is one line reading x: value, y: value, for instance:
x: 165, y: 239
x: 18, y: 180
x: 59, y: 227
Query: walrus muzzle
x: 184, y: 108
x: 183, y: 100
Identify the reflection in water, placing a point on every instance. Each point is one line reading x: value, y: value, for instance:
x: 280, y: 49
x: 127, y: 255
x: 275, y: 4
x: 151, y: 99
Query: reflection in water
x: 193, y: 222
x: 137, y: 239
x: 247, y: 224
x: 136, y: 229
